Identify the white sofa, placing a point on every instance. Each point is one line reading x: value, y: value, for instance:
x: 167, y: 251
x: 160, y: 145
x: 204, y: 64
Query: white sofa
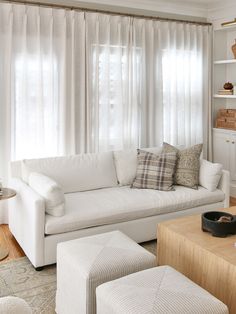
x: 95, y: 202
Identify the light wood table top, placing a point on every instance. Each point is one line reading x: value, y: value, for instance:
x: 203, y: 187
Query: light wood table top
x: 208, y: 261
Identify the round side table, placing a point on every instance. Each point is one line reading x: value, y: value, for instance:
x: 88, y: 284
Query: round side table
x: 5, y: 194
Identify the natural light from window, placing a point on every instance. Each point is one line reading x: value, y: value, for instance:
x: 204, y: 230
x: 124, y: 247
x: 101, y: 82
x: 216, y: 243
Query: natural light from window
x: 35, y: 113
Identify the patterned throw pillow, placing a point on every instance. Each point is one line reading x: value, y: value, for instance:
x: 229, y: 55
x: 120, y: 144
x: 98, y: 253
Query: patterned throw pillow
x: 187, y: 166
x: 155, y: 171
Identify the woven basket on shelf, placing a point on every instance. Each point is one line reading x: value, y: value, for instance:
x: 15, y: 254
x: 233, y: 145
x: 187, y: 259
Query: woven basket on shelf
x: 226, y: 119
x: 227, y: 113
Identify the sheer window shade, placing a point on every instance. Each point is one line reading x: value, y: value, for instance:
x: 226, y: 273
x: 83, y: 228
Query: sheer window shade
x: 84, y: 82
x: 182, y: 102
x: 111, y: 83
x: 43, y: 81
x: 35, y: 108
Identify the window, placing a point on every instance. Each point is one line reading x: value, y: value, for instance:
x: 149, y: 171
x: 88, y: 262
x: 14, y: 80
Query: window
x: 182, y: 97
x: 35, y: 108
x: 112, y: 89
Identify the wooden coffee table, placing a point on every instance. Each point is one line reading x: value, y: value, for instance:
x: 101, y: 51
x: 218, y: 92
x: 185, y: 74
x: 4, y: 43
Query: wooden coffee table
x: 208, y: 261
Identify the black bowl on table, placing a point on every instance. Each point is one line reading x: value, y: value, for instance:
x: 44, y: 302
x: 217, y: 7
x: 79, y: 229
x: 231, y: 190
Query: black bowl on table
x: 211, y: 223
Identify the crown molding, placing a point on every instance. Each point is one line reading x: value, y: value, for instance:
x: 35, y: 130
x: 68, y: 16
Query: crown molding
x: 199, y: 9
x: 194, y: 8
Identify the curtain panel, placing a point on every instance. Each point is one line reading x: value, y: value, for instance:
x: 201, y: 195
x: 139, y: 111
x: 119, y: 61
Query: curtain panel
x: 74, y: 82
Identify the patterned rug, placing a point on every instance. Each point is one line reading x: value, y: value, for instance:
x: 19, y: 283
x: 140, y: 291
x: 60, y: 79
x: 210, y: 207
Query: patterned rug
x: 38, y: 289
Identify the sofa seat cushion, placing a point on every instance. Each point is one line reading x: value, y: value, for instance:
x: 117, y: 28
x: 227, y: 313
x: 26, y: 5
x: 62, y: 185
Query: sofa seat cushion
x: 114, y: 205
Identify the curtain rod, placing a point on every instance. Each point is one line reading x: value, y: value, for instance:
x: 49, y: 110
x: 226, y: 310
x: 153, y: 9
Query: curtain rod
x: 84, y: 9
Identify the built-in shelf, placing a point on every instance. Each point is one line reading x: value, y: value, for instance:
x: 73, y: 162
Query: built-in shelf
x: 224, y: 96
x: 225, y: 61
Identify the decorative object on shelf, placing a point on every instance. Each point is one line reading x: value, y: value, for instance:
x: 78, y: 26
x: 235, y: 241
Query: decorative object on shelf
x: 234, y: 49
x: 225, y: 92
x: 226, y: 119
x: 227, y: 113
x: 228, y: 86
x: 230, y: 23
x: 228, y: 89
x: 219, y: 224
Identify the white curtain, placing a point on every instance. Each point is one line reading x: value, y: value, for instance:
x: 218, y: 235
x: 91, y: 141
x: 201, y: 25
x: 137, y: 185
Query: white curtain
x: 147, y: 82
x: 42, y: 84
x: 113, y: 82
x: 186, y: 85
x: 73, y: 82
x: 42, y: 80
x: 175, y: 82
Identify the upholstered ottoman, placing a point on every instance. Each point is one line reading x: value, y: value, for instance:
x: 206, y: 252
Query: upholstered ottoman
x: 85, y: 263
x: 160, y: 290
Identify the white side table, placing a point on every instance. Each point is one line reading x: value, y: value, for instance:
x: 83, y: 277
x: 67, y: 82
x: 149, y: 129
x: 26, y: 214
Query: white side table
x: 5, y: 194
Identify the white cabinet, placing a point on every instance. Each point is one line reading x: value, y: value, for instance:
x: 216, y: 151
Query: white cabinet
x: 224, y: 150
x: 224, y: 70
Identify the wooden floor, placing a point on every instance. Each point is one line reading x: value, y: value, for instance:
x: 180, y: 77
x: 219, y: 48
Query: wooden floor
x: 7, y: 240
x: 232, y: 201
x: 15, y: 251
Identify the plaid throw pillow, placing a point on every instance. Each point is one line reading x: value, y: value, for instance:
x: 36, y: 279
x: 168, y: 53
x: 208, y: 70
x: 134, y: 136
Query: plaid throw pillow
x: 155, y: 171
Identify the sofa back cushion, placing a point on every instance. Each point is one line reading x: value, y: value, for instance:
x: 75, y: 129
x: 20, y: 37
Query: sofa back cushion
x: 210, y: 174
x: 75, y: 173
x: 188, y: 164
x: 51, y: 191
x: 126, y: 162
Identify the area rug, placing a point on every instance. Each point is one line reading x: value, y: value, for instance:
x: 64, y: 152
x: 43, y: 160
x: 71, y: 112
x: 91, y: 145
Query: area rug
x: 38, y: 289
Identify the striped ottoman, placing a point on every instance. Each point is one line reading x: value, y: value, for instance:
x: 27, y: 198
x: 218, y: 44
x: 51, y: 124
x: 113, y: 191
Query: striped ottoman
x: 160, y: 290
x: 85, y: 263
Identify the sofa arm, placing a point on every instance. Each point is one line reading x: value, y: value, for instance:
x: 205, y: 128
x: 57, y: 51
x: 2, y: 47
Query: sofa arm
x: 27, y: 221
x: 224, y: 186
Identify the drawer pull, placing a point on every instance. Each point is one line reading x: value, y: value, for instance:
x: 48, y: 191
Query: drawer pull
x: 227, y: 141
x: 233, y: 142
